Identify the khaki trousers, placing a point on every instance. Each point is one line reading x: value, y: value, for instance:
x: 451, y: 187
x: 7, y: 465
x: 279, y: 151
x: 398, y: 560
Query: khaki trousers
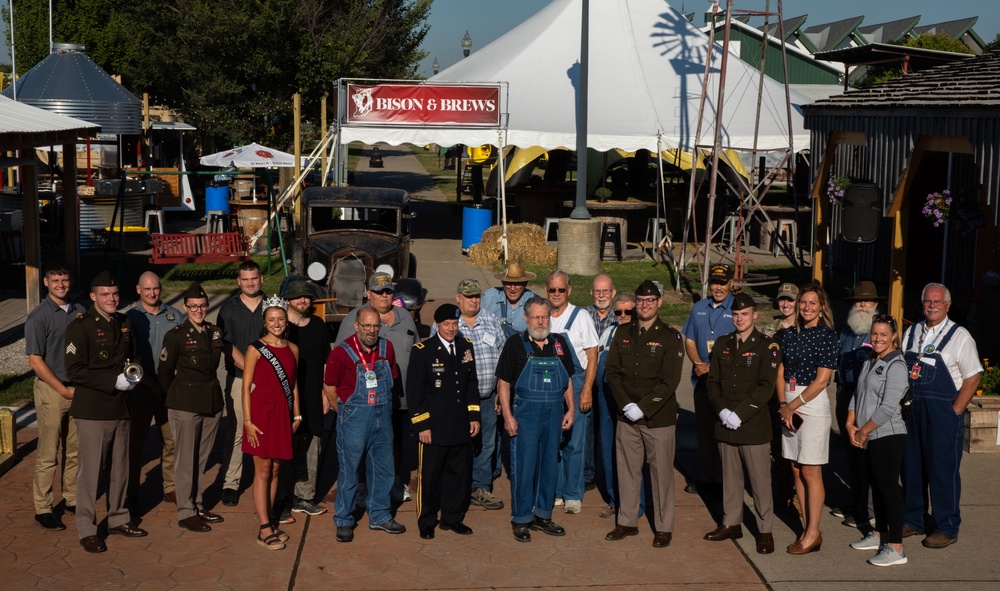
x: 758, y: 462
x: 55, y: 429
x: 232, y: 447
x: 194, y: 437
x: 103, y: 448
x: 634, y: 445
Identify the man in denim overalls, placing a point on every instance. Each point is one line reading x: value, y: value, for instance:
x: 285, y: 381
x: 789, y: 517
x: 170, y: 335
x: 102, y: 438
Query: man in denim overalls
x: 361, y: 378
x: 944, y: 374
x: 536, y: 398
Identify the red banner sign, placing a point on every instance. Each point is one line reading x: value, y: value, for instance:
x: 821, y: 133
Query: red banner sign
x: 423, y: 104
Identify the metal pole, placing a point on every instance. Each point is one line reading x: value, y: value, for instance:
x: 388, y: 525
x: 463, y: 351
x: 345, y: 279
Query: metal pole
x: 13, y: 62
x: 503, y: 194
x: 580, y: 211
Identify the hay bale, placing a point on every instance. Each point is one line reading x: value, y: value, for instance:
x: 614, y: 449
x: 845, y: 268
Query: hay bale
x: 525, y: 243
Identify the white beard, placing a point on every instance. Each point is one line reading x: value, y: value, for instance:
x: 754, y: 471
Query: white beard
x: 539, y: 334
x: 859, y: 320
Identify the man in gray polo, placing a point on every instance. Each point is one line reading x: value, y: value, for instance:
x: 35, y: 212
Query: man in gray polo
x: 151, y: 318
x: 43, y: 342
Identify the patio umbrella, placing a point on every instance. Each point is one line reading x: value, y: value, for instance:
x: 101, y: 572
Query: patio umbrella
x: 249, y: 156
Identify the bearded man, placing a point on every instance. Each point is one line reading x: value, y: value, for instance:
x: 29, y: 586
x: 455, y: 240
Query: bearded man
x: 855, y: 346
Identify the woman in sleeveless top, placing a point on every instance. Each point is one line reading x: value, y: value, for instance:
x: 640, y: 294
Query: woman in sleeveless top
x: 271, y: 414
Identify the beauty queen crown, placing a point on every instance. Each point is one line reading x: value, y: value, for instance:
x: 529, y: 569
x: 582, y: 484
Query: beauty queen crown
x: 275, y: 302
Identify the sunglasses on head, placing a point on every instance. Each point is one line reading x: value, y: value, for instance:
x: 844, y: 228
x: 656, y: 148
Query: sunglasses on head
x: 628, y: 312
x: 556, y: 290
x: 885, y: 319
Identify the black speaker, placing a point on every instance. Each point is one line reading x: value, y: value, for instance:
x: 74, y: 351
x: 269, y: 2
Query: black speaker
x: 860, y: 213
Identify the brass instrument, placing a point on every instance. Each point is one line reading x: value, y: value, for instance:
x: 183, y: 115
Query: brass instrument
x: 133, y: 372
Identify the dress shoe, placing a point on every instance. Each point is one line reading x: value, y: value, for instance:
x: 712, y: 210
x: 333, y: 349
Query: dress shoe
x: 93, y: 544
x: 621, y: 532
x: 799, y: 549
x: 345, y: 533
x: 725, y: 532
x: 765, y: 544
x: 459, y: 528
x: 71, y: 509
x: 662, y: 539
x: 170, y: 497
x: 909, y: 531
x: 938, y: 540
x: 230, y: 497
x: 195, y: 524
x: 691, y: 488
x: 128, y: 530
x: 427, y: 533
x: 209, y: 517
x: 547, y: 526
x: 521, y: 533
x: 50, y: 521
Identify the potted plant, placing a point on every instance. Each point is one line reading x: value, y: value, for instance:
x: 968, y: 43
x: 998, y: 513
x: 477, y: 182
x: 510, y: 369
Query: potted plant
x: 835, y: 188
x: 603, y: 194
x: 961, y: 211
x: 983, y: 412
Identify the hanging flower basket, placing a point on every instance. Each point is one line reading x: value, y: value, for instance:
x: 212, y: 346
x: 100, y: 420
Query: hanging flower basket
x: 835, y: 188
x: 961, y: 211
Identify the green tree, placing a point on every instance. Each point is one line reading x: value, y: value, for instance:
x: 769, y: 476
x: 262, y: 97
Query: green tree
x: 993, y: 45
x: 939, y: 42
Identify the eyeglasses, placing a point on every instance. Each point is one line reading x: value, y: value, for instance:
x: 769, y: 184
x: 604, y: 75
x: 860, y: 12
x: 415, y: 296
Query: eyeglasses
x: 646, y: 301
x: 367, y: 327
x: 200, y: 307
x: 885, y: 319
x: 538, y: 318
x: 556, y: 290
x: 935, y: 303
x: 600, y: 291
x: 382, y: 292
x: 628, y: 312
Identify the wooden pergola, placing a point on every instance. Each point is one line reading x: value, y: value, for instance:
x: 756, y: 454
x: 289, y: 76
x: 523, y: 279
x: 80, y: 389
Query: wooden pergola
x: 24, y: 128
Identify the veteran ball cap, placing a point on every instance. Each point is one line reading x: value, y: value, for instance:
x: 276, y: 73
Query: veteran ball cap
x: 647, y: 288
x: 194, y: 292
x: 380, y: 281
x: 103, y: 279
x: 469, y: 287
x: 446, y: 312
x: 788, y: 291
x: 720, y: 274
x: 741, y: 301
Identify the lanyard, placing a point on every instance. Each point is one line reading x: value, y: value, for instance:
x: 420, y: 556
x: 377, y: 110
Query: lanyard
x: 937, y: 338
x: 712, y: 308
x: 358, y: 350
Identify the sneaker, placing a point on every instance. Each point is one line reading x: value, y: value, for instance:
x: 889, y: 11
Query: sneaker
x: 558, y: 502
x: 573, y: 506
x: 888, y: 557
x: 286, y: 517
x: 872, y: 541
x: 850, y: 521
x: 389, y: 527
x: 485, y: 499
x: 838, y: 512
x: 308, y: 507
x: 407, y: 497
x: 607, y: 512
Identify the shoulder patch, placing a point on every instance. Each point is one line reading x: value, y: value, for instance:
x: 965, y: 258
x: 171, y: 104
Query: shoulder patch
x: 418, y: 345
x: 71, y: 349
x: 468, y: 340
x: 773, y: 346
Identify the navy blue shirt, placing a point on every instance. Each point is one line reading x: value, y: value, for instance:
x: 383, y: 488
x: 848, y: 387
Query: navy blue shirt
x: 854, y: 350
x: 803, y: 350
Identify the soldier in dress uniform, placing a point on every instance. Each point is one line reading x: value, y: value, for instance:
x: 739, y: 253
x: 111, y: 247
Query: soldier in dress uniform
x: 189, y: 361
x: 740, y: 383
x: 442, y: 394
x: 98, y: 346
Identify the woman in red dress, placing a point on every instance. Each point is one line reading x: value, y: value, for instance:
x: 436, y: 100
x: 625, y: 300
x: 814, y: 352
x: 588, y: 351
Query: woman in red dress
x: 271, y: 413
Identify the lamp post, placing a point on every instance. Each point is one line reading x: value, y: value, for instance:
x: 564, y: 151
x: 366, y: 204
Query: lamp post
x: 466, y: 44
x: 436, y: 66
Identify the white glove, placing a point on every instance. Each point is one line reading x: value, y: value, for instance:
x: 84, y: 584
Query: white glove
x: 632, y: 412
x: 123, y: 384
x: 733, y: 421
x: 724, y: 414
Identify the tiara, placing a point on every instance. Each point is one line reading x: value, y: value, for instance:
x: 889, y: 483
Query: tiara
x: 275, y: 301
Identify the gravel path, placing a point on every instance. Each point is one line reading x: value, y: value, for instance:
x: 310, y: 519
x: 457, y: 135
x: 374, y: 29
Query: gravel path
x: 13, y: 361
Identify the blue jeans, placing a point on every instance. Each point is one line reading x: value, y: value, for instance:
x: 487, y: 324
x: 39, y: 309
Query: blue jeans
x: 572, y: 451
x: 534, y: 456
x: 364, y: 428
x: 484, y: 446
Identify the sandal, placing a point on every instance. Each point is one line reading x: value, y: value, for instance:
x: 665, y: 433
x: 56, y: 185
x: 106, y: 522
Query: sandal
x: 271, y: 542
x: 280, y: 533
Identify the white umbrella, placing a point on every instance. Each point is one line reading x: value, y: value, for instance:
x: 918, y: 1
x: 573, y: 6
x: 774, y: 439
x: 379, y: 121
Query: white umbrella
x: 249, y: 156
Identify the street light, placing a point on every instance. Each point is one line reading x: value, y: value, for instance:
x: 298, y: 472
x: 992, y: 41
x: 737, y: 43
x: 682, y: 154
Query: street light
x: 436, y: 66
x: 466, y: 44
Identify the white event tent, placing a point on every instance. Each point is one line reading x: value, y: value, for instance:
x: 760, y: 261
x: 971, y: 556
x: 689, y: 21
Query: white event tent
x: 647, y: 70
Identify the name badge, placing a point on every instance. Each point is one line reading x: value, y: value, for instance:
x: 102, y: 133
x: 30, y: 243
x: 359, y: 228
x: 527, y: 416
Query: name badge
x: 710, y: 345
x: 915, y: 371
x: 371, y: 397
x: 371, y: 380
x: 929, y: 361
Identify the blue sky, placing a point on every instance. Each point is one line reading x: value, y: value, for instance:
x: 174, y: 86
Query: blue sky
x: 487, y: 20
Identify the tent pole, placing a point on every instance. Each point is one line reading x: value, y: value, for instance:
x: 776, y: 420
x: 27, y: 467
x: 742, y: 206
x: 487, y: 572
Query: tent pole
x: 580, y: 211
x: 503, y: 196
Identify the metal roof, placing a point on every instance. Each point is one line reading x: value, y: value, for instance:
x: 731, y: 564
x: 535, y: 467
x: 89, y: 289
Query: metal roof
x: 24, y: 126
x: 968, y: 82
x: 889, y: 32
x: 832, y: 35
x: 882, y: 53
x: 70, y: 83
x: 171, y: 126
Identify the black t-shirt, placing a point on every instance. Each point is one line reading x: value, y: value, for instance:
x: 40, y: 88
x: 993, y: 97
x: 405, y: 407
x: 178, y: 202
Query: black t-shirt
x: 514, y: 357
x: 313, y: 341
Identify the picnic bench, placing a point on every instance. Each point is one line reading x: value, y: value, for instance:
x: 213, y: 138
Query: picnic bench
x: 168, y: 249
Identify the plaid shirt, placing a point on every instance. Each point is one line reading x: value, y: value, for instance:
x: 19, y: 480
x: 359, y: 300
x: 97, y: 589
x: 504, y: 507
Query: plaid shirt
x: 601, y: 325
x: 487, y: 341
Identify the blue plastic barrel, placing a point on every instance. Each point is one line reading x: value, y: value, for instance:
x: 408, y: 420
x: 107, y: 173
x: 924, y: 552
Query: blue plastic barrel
x: 475, y: 221
x: 217, y: 198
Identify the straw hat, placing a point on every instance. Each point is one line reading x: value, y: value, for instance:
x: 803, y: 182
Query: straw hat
x: 515, y: 273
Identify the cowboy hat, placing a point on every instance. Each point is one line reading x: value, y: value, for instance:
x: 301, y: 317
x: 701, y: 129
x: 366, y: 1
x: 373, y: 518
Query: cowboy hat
x: 864, y: 291
x: 515, y: 273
